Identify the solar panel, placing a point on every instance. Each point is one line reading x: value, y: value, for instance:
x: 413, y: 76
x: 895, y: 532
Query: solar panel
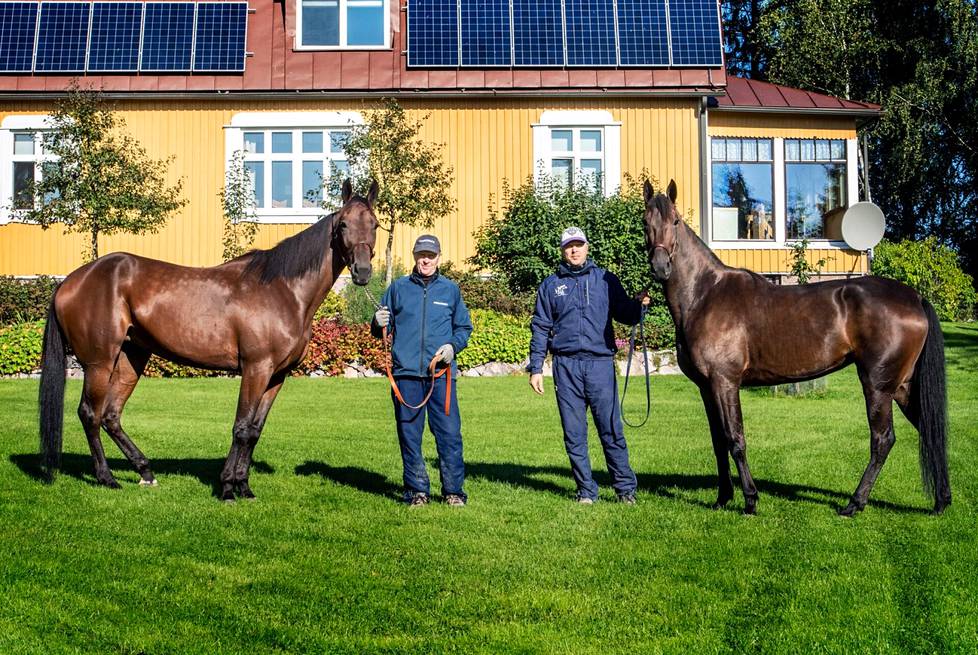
x: 643, y: 39
x: 62, y: 37
x: 486, y: 33
x: 114, y: 44
x: 18, y: 22
x: 590, y: 32
x: 220, y: 40
x: 168, y: 35
x: 695, y: 33
x: 433, y: 33
x: 538, y: 38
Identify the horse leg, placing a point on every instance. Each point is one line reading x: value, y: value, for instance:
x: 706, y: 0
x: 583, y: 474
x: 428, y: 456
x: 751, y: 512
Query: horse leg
x: 128, y: 369
x: 90, y: 411
x: 727, y: 398
x: 254, y: 382
x: 724, y: 484
x: 243, y: 467
x: 879, y: 410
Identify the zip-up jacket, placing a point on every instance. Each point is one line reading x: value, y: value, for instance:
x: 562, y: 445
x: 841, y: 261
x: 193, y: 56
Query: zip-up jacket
x: 573, y: 314
x: 423, y: 319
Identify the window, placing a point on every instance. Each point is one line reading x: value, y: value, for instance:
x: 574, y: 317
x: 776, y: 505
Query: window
x: 743, y: 189
x: 815, y: 188
x: 292, y: 159
x: 23, y: 162
x: 578, y: 147
x: 324, y: 24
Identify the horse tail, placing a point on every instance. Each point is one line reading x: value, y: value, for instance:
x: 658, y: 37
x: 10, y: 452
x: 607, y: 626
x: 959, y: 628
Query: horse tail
x: 51, y: 395
x: 928, y: 391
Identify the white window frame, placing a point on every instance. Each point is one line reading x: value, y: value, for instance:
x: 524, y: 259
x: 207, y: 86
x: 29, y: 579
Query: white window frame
x: 776, y: 207
x: 852, y: 185
x: 296, y: 123
x: 343, y: 4
x: 10, y: 126
x: 577, y: 121
x: 780, y: 241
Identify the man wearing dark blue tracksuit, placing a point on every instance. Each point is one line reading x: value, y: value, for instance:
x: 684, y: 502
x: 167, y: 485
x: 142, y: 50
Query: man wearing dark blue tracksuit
x: 430, y: 323
x: 572, y: 320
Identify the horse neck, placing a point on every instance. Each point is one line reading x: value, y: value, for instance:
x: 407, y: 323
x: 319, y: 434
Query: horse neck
x: 692, y: 263
x: 311, y: 289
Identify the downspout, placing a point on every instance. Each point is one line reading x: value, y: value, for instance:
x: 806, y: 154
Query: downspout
x: 704, y: 162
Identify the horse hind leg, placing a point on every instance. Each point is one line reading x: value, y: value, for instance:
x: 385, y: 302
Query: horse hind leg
x: 90, y: 411
x: 879, y: 410
x: 128, y: 369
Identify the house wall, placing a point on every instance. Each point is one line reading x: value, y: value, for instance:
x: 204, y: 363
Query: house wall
x: 487, y: 142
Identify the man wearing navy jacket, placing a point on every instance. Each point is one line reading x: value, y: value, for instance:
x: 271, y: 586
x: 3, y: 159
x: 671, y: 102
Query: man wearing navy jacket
x: 430, y: 324
x: 572, y: 320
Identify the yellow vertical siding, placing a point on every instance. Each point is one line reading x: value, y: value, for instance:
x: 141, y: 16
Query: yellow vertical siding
x: 487, y: 142
x: 838, y: 262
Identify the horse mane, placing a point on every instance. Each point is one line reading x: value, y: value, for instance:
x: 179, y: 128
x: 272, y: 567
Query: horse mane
x: 294, y: 256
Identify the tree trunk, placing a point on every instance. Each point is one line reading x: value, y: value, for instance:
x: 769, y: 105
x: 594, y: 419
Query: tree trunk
x: 94, y: 252
x: 389, y: 275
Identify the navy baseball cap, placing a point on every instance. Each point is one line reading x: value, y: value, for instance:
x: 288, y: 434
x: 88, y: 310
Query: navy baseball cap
x: 427, y: 243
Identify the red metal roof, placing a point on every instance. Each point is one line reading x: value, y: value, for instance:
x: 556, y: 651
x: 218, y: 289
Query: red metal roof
x: 747, y: 94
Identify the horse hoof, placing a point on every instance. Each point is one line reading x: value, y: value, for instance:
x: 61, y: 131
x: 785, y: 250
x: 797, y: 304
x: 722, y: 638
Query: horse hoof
x: 750, y: 509
x: 849, y: 510
x: 111, y: 484
x: 149, y: 483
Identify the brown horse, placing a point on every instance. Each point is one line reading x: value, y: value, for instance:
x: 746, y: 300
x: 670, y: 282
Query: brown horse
x: 735, y: 328
x: 252, y: 315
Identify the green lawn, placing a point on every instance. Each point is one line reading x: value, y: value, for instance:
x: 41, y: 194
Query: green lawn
x: 326, y: 561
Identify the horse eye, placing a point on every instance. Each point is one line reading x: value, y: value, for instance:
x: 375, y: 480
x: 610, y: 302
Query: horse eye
x: 342, y: 225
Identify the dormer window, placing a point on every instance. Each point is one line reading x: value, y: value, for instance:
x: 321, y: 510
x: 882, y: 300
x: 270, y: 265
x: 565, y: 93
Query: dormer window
x: 342, y: 24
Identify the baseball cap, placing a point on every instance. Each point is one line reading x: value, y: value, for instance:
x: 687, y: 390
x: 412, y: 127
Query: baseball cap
x: 427, y: 243
x: 572, y: 234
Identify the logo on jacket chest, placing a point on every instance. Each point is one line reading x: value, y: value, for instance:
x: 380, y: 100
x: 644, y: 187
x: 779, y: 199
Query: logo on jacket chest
x: 560, y: 290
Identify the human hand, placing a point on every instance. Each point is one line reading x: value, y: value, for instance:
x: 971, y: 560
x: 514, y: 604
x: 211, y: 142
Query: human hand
x: 444, y: 354
x: 536, y: 382
x: 644, y: 298
x: 382, y: 317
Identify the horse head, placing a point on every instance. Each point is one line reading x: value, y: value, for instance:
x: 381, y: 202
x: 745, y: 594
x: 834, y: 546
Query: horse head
x: 661, y: 228
x: 355, y: 231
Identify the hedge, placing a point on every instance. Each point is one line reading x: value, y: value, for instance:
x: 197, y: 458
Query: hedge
x: 25, y: 300
x: 933, y: 270
x: 20, y: 347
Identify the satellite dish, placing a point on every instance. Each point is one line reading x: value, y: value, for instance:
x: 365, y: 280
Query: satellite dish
x: 863, y: 225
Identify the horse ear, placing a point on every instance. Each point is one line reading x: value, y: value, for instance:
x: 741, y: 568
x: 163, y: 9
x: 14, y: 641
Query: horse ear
x: 372, y: 193
x: 347, y: 191
x: 672, y: 191
x: 648, y: 191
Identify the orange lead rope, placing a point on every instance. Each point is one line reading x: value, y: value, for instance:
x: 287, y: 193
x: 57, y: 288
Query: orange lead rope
x: 435, y: 374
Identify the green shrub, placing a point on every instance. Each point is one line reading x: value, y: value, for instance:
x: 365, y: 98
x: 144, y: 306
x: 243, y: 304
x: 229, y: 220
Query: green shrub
x: 496, y: 338
x: 489, y: 292
x: 157, y: 367
x: 359, y: 306
x: 25, y: 300
x: 933, y: 270
x: 20, y: 347
x: 333, y: 306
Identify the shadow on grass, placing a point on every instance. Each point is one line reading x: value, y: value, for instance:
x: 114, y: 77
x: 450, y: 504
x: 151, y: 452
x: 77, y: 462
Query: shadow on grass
x: 352, y: 476
x: 208, y: 471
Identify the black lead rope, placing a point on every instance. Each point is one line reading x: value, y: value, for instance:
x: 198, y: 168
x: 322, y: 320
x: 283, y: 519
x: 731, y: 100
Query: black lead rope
x: 640, y: 327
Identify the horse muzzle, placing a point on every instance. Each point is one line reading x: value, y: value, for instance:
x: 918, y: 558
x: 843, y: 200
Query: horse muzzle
x: 661, y: 264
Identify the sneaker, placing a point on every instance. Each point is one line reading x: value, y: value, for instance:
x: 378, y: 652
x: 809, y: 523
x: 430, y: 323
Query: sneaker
x: 418, y: 500
x: 584, y: 500
x: 627, y: 499
x: 454, y: 500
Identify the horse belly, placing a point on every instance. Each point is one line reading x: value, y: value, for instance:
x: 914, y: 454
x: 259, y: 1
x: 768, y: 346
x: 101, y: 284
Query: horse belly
x: 796, y: 357
x: 200, y: 336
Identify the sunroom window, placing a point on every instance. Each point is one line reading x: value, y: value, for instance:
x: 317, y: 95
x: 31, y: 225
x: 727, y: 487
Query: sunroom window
x: 815, y: 188
x: 743, y: 189
x: 342, y: 24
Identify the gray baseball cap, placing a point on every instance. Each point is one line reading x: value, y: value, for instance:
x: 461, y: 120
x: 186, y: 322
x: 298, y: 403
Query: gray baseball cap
x: 572, y: 234
x: 427, y: 243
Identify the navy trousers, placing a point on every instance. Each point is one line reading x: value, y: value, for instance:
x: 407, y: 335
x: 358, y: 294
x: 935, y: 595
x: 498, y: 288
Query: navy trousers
x: 447, y: 431
x: 590, y: 383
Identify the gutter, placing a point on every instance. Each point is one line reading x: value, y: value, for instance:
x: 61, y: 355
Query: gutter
x: 869, y: 113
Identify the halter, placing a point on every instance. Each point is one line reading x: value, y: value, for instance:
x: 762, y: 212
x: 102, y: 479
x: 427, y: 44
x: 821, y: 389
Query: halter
x: 672, y: 252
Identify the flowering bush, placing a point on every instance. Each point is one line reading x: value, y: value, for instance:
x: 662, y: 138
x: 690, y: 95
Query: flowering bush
x: 334, y: 345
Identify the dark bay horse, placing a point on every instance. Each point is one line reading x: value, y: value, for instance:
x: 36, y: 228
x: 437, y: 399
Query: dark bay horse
x: 735, y: 328
x: 251, y: 315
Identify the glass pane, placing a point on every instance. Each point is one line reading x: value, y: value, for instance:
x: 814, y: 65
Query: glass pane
x: 733, y: 149
x: 256, y: 177
x: 791, y: 150
x: 312, y: 142
x: 337, y: 141
x: 765, y: 150
x: 838, y: 149
x: 281, y: 184
x: 320, y: 22
x: 49, y: 168
x: 750, y: 150
x: 281, y: 141
x: 561, y: 171
x: 254, y: 142
x: 365, y: 22
x: 719, y: 149
x: 23, y: 184
x: 807, y: 151
x: 312, y: 183
x: 23, y: 144
x: 591, y: 172
x: 816, y: 200
x: 743, y: 201
x: 339, y: 170
x: 561, y: 140
x: 822, y: 149
x: 591, y: 140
